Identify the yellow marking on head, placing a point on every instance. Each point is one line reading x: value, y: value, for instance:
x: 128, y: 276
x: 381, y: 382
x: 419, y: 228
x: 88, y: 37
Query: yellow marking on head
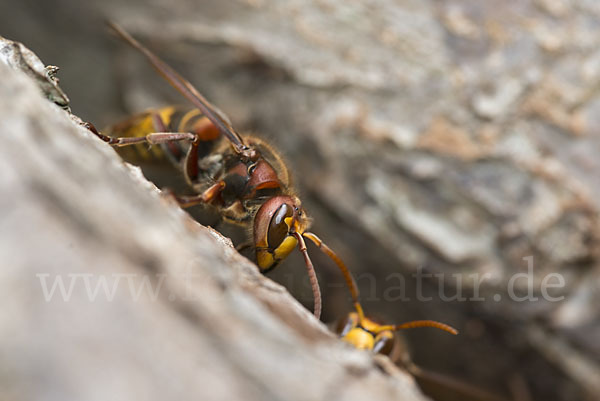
x: 360, y: 339
x: 300, y: 225
x: 264, y: 259
x: 370, y: 325
x: 286, y: 247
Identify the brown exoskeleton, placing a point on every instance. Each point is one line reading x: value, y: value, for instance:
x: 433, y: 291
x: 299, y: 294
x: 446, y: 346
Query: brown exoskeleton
x: 243, y: 177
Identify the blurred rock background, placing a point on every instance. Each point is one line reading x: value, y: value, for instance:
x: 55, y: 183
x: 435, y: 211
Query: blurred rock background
x: 455, y: 138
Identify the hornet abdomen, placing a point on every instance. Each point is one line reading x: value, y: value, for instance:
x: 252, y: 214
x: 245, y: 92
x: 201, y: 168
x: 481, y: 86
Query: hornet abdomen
x: 166, y: 119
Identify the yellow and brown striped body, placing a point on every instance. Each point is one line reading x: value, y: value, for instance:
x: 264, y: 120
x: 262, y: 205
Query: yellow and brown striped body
x: 174, y: 119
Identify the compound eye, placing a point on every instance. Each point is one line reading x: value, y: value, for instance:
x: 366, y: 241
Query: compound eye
x: 346, y: 324
x: 383, y: 345
x: 278, y: 229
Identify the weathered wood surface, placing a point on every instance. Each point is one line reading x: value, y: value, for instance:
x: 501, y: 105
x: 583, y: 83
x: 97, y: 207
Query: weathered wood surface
x: 209, y: 326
